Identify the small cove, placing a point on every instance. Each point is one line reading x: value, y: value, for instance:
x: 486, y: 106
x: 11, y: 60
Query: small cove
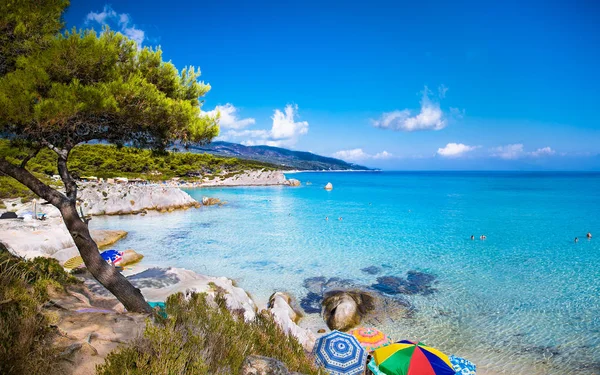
x: 523, y: 301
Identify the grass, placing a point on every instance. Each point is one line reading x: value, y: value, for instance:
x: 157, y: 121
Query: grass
x: 25, y: 332
x: 199, y: 337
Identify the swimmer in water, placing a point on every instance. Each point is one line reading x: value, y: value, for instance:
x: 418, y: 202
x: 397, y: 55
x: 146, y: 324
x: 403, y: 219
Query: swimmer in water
x: 340, y: 219
x: 472, y: 237
x: 327, y: 218
x: 589, y: 235
x: 576, y: 239
x: 482, y: 237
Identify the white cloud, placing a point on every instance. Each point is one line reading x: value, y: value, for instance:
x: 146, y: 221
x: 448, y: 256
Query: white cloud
x: 430, y: 116
x: 508, y: 152
x: 101, y: 17
x: 358, y: 154
x: 545, y: 151
x: 442, y: 90
x: 454, y: 150
x: 383, y: 155
x: 517, y: 151
x: 284, y: 126
x: 134, y: 34
x: 457, y: 113
x: 229, y: 118
x: 109, y: 16
x: 285, y: 130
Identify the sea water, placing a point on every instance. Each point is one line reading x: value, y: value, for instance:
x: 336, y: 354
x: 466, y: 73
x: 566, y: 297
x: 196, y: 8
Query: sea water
x: 524, y: 300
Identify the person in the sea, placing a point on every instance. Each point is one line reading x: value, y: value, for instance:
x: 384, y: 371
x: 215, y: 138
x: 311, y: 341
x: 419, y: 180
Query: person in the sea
x: 327, y: 218
x: 340, y: 218
x: 472, y: 237
x: 576, y: 239
x: 589, y: 235
x: 482, y: 237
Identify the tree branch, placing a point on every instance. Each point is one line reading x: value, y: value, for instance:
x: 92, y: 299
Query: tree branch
x: 68, y: 180
x: 38, y: 187
x: 30, y: 156
x: 63, y: 170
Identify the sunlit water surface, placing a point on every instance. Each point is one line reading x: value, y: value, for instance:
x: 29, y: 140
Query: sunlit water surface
x: 525, y: 300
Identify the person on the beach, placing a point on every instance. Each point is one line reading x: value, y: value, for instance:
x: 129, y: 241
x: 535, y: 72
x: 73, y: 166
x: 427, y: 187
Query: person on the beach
x: 472, y: 237
x: 576, y: 239
x: 589, y: 235
x: 482, y: 237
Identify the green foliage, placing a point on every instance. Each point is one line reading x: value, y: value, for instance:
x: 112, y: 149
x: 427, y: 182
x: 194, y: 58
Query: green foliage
x: 27, y: 26
x: 25, y: 333
x: 199, y: 338
x: 85, y: 86
x: 110, y: 161
x: 10, y: 188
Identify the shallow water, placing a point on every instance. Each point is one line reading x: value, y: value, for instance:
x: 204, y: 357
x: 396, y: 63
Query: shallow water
x: 525, y: 300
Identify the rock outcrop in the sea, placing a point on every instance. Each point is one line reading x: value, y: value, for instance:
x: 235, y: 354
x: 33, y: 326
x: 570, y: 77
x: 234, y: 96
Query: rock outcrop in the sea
x: 387, y: 308
x: 294, y: 182
x: 286, y: 317
x: 119, y: 199
x: 344, y: 309
x: 130, y: 257
x: 329, y: 186
x: 247, y: 178
x: 312, y: 302
x: 209, y: 201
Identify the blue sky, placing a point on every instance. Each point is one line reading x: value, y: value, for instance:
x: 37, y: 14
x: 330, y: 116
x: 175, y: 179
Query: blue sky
x: 396, y: 85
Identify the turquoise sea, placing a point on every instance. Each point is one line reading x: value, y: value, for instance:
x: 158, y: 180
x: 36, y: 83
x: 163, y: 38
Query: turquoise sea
x: 524, y: 301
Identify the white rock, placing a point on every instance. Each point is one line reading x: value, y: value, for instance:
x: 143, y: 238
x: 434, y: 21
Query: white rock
x: 115, y: 199
x: 249, y: 178
x: 285, y: 316
x: 189, y: 281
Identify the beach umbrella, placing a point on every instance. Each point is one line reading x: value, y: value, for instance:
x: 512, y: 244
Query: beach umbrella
x: 340, y: 354
x: 408, y: 358
x: 370, y: 338
x: 112, y: 256
x: 462, y: 366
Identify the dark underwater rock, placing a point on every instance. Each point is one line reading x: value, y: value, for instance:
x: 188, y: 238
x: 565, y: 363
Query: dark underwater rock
x: 371, y: 270
x: 311, y: 303
x: 416, y: 282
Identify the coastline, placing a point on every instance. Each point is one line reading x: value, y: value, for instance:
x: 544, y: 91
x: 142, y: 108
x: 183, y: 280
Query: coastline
x: 314, y: 321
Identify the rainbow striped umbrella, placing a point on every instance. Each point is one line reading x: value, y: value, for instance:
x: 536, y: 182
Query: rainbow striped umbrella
x: 340, y: 354
x: 408, y: 358
x: 370, y: 338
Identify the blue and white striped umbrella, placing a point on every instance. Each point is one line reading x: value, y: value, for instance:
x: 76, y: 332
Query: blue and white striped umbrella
x: 340, y: 354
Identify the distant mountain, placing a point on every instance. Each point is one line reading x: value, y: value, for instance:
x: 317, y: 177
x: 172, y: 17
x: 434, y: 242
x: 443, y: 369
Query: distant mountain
x: 286, y: 158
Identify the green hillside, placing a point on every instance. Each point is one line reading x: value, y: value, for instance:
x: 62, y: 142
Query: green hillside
x: 110, y: 161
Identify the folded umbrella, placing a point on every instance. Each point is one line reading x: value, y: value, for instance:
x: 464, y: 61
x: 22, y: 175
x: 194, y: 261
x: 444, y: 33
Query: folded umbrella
x: 370, y: 338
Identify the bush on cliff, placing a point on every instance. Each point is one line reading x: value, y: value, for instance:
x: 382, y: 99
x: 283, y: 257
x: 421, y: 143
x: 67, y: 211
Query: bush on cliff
x: 25, y: 332
x: 201, y: 338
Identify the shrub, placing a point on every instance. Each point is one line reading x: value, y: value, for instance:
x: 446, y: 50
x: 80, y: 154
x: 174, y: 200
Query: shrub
x: 201, y: 338
x: 25, y: 333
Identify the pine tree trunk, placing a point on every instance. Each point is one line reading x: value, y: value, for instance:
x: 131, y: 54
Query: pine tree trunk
x: 107, y: 275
